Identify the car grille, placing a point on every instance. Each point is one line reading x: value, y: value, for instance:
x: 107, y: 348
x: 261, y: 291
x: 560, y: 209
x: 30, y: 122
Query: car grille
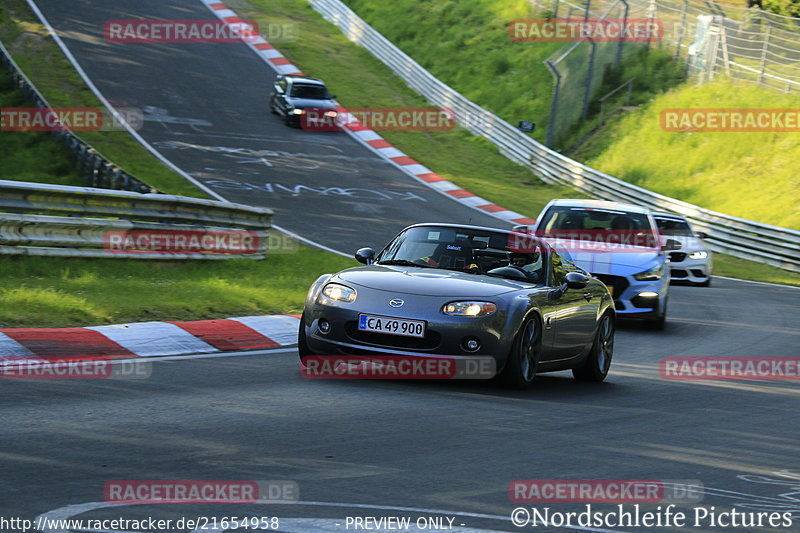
x: 677, y: 257
x: 431, y: 340
x: 678, y: 273
x: 618, y: 282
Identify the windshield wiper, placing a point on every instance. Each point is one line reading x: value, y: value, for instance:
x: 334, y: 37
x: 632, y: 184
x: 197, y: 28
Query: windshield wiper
x: 404, y: 262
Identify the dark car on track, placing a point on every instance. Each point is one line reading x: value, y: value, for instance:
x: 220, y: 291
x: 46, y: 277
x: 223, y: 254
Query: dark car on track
x: 294, y: 96
x: 465, y: 291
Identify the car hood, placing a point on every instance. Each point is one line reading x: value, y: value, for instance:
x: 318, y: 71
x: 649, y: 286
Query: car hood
x: 303, y: 103
x: 428, y: 281
x: 618, y: 264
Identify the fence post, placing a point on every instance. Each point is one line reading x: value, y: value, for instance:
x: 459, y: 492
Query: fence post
x: 618, y: 59
x: 764, y: 55
x: 587, y: 95
x: 554, y: 105
x: 681, y: 29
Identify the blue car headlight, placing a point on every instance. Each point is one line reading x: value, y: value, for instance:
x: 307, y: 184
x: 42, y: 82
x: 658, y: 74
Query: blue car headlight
x: 700, y: 254
x: 469, y: 308
x: 339, y: 293
x: 652, y: 274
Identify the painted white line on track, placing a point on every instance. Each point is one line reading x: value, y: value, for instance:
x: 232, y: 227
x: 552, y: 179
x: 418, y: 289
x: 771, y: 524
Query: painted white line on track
x: 782, y: 285
x: 139, y: 138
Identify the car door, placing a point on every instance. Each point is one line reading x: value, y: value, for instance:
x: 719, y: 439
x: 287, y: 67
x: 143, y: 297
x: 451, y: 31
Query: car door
x: 574, y: 310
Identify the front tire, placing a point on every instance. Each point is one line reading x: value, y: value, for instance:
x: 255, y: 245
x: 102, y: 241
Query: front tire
x: 523, y: 361
x: 595, y: 367
x: 302, y: 343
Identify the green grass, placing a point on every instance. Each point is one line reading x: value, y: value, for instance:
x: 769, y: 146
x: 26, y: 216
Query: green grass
x: 44, y: 63
x: 750, y: 175
x: 59, y: 292
x: 465, y: 43
x: 32, y: 156
x: 733, y: 267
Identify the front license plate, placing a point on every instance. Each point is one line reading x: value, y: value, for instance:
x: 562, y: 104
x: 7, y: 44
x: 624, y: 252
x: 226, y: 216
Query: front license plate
x: 392, y: 326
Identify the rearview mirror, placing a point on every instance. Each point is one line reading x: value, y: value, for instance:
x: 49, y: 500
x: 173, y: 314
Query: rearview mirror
x: 365, y: 255
x: 576, y: 280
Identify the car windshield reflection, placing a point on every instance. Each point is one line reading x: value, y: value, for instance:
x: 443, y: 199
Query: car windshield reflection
x: 464, y: 250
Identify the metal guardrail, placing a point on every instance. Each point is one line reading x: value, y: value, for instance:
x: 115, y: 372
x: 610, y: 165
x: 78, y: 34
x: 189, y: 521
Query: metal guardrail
x: 38, y: 219
x: 95, y: 168
x: 773, y: 245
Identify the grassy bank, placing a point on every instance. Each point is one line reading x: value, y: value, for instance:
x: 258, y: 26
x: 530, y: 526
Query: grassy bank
x: 750, y: 175
x: 58, y: 292
x: 32, y: 156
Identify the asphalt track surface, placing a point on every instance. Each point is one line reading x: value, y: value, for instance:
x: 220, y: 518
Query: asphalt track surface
x: 448, y: 446
x: 206, y: 110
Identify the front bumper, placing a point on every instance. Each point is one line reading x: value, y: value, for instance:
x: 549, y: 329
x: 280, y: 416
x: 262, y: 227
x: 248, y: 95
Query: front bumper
x: 444, y: 335
x: 682, y: 268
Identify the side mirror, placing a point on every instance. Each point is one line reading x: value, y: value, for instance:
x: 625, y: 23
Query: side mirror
x: 576, y: 280
x: 701, y: 234
x: 331, y: 97
x: 671, y: 244
x: 365, y: 255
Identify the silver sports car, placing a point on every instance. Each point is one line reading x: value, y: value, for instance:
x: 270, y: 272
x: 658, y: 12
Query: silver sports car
x: 445, y: 290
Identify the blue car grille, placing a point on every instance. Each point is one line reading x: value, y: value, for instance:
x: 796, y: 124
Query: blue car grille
x: 618, y: 282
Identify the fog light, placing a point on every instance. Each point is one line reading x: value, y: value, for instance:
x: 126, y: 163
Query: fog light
x: 648, y: 294
x: 324, y: 326
x: 471, y: 344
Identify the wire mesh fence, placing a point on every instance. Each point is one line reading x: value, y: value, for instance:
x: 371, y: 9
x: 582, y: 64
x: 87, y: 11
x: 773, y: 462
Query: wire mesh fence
x: 712, y: 39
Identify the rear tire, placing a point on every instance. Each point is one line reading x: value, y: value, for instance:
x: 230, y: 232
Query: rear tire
x: 596, y: 365
x: 523, y: 361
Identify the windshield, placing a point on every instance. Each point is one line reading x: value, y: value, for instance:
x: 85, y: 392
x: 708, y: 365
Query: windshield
x: 475, y: 251
x: 670, y: 226
x: 601, y: 225
x: 310, y: 92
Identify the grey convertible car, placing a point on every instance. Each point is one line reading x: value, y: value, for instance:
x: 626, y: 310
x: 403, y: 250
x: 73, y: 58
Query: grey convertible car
x: 464, y: 291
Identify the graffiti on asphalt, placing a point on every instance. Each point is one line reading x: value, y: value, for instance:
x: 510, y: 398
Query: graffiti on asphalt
x: 358, y: 193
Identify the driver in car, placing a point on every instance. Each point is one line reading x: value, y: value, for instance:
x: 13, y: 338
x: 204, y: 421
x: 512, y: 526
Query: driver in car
x: 520, y: 260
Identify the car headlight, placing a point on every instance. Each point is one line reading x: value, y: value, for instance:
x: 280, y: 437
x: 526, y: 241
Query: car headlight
x: 469, y: 308
x: 700, y: 254
x: 653, y: 274
x: 298, y: 111
x: 339, y: 293
x: 331, y: 114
